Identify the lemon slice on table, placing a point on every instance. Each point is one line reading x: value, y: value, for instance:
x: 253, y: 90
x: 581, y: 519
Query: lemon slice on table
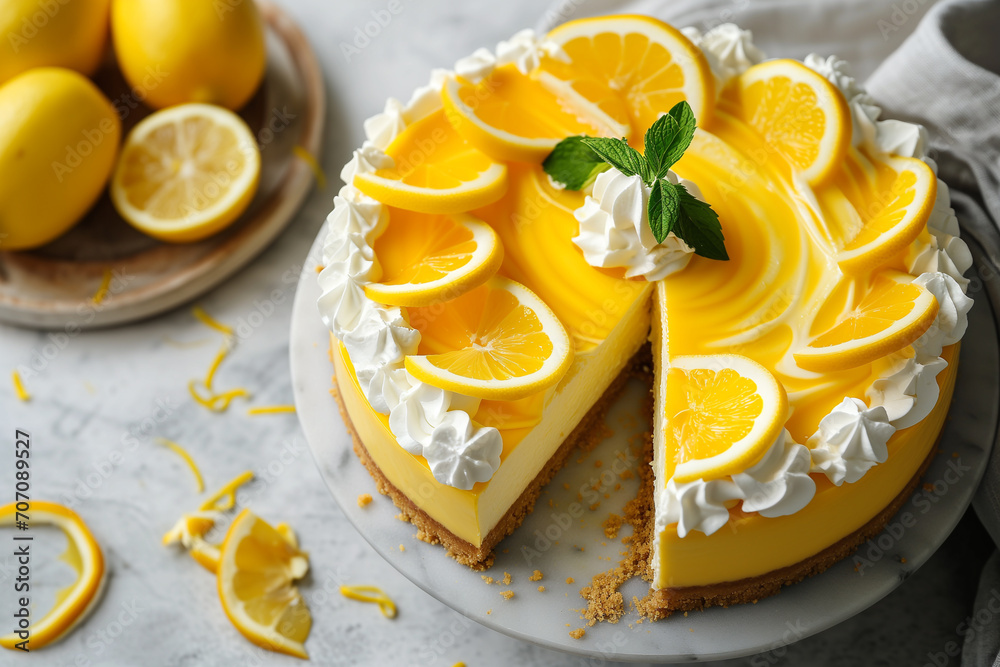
x: 498, y: 341
x: 82, y: 553
x: 518, y: 117
x: 429, y: 258
x: 633, y: 66
x: 797, y: 112
x: 902, y: 204
x: 258, y: 566
x: 723, y: 412
x: 435, y: 171
x: 893, y: 314
x: 186, y: 172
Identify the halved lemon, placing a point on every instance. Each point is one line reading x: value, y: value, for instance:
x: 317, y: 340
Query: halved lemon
x: 427, y: 258
x: 435, y: 171
x: 257, y: 568
x: 633, y: 64
x: 517, y: 117
x: 797, y: 112
x: 722, y: 412
x: 900, y: 209
x: 82, y: 553
x: 186, y: 172
x: 893, y: 314
x: 498, y: 341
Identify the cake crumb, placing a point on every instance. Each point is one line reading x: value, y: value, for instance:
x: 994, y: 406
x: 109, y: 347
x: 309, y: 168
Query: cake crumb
x: 566, y: 485
x: 627, y: 474
x: 612, y: 525
x: 488, y: 580
x: 364, y: 499
x: 598, y: 463
x: 902, y: 560
x: 618, y: 486
x: 507, y: 594
x: 578, y: 633
x: 928, y: 486
x: 489, y: 611
x: 541, y: 589
x: 506, y: 579
x: 570, y: 580
x: 535, y: 576
x: 595, y: 506
x: 402, y: 548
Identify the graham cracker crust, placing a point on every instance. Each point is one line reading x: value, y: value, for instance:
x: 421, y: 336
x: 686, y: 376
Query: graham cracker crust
x: 587, y: 434
x: 661, y: 603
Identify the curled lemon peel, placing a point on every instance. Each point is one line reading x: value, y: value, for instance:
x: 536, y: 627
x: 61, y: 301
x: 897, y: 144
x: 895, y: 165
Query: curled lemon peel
x: 210, y: 321
x: 313, y: 165
x: 216, y: 402
x: 227, y: 493
x: 371, y: 594
x: 22, y: 393
x: 180, y: 451
x: 270, y: 409
x: 102, y: 291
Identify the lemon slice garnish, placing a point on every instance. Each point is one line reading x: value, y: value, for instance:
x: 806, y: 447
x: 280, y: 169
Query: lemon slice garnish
x: 797, y: 112
x: 633, y: 68
x: 428, y: 258
x: 435, y: 171
x: 893, y: 314
x: 498, y: 341
x: 722, y: 412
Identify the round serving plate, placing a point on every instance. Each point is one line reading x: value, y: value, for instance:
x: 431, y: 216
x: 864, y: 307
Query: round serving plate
x: 562, y: 547
x: 54, y: 286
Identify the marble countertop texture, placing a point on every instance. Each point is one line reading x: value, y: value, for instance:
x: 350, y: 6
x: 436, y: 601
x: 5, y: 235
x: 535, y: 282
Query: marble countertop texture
x: 101, y: 398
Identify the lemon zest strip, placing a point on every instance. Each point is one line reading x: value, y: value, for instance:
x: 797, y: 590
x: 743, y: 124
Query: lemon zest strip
x: 310, y: 160
x: 210, y: 321
x: 227, y: 494
x: 180, y: 451
x: 270, y: 409
x: 217, y: 402
x: 360, y: 593
x: 22, y: 393
x: 102, y: 292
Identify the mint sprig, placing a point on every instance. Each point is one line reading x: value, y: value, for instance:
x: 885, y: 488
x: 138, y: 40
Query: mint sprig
x: 576, y: 161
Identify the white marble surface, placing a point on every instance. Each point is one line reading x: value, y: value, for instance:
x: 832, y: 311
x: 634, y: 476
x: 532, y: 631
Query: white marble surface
x: 103, y: 396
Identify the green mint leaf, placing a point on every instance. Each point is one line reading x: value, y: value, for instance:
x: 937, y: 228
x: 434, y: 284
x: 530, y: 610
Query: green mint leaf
x: 660, y: 137
x: 684, y: 117
x: 698, y: 226
x: 573, y: 163
x: 662, y: 209
x: 621, y: 156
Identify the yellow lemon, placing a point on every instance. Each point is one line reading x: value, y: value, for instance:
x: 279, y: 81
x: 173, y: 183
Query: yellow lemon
x: 177, y: 51
x: 52, y: 33
x: 58, y: 141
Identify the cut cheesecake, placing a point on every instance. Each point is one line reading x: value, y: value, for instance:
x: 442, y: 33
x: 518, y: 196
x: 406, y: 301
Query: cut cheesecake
x: 799, y: 386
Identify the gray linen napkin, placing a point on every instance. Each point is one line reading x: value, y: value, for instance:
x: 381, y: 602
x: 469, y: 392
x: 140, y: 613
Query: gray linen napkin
x: 947, y: 77
x: 933, y: 64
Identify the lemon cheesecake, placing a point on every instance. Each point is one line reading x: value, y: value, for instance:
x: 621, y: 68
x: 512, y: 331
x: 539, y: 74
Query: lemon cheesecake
x: 515, y: 240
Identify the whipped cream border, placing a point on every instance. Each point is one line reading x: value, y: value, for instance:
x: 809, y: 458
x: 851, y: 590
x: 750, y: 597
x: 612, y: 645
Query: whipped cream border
x: 852, y: 438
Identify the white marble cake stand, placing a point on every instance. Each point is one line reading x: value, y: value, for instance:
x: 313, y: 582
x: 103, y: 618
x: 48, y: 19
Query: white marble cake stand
x: 580, y: 549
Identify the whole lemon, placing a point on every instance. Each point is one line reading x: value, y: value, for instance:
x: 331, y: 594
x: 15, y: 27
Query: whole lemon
x: 52, y: 33
x: 178, y: 51
x: 58, y: 142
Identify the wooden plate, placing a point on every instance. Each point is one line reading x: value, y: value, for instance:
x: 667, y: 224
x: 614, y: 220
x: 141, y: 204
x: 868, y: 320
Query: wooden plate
x: 54, y: 287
